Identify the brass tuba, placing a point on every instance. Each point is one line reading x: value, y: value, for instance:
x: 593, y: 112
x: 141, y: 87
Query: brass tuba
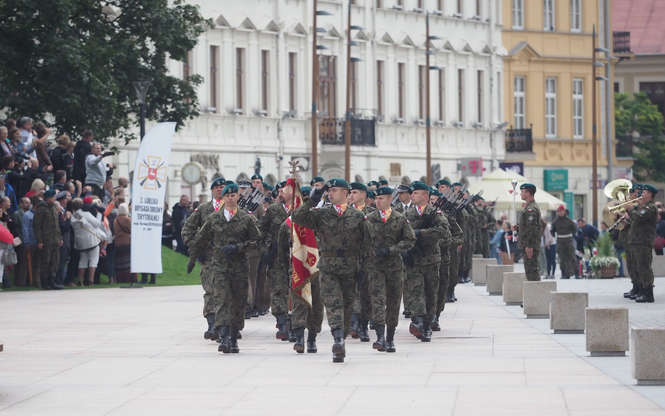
x: 618, y: 190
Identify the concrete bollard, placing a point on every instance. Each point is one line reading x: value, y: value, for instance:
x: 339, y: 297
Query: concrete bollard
x: 606, y: 331
x: 537, y: 297
x: 567, y: 312
x: 495, y: 277
x: 512, y: 287
x: 648, y: 356
x: 479, y: 270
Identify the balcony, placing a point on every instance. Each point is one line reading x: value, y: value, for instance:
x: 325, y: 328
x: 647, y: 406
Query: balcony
x: 519, y: 140
x: 621, y: 42
x: 363, y: 130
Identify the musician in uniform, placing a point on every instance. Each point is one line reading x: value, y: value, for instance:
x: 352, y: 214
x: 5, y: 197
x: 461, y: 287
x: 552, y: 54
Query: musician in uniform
x: 564, y: 229
x: 340, y: 257
x: 530, y: 230
x: 643, y: 219
x: 192, y: 226
x: 624, y: 238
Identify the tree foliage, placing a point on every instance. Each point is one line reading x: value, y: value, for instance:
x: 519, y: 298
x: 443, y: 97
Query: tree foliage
x: 73, y: 63
x: 636, y: 115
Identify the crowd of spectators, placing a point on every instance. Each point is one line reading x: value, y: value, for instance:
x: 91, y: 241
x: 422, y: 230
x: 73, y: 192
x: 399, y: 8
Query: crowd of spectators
x: 63, y: 218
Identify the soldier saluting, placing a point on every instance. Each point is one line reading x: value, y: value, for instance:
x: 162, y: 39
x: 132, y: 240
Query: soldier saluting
x: 530, y: 231
x: 340, y: 257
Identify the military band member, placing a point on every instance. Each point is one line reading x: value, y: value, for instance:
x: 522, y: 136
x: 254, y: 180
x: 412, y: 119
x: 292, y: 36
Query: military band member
x: 530, y: 230
x: 564, y: 229
x: 340, y: 257
x: 231, y: 232
x: 624, y: 238
x: 643, y: 219
x: 192, y: 226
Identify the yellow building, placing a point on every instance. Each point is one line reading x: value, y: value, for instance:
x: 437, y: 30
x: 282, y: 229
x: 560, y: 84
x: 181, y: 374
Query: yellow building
x: 548, y: 85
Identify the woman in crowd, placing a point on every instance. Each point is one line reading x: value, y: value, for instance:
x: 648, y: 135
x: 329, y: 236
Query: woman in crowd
x: 122, y: 227
x: 508, y: 245
x: 550, y: 250
x: 89, y: 232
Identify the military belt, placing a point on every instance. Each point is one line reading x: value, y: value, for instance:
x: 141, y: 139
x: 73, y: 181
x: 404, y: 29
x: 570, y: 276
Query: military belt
x: 564, y: 236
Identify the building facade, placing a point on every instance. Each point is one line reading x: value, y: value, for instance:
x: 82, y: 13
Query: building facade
x: 256, y: 99
x: 548, y: 84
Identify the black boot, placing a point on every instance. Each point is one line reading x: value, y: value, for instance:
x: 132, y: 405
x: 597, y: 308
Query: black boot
x: 632, y: 292
x: 435, y: 324
x: 390, y: 346
x: 282, y: 328
x: 449, y: 295
x: 416, y: 327
x: 371, y: 325
x: 407, y: 314
x: 452, y: 294
x: 210, y: 332
x: 338, y: 350
x: 144, y: 279
x: 380, y: 343
x: 292, y: 335
x: 152, y: 278
x: 646, y: 296
x: 233, y: 346
x: 311, y: 342
x: 362, y: 332
x: 299, y: 346
x: 224, y: 340
x: 427, y: 330
x: 354, y: 326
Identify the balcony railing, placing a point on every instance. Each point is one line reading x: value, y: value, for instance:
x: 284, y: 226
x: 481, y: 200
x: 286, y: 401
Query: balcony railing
x: 621, y: 42
x: 363, y: 131
x: 519, y: 140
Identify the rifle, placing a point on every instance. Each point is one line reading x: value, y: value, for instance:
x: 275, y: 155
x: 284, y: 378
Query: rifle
x: 251, y: 202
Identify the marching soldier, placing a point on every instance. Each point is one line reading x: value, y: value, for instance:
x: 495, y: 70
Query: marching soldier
x: 564, y: 229
x: 422, y: 282
x: 530, y: 231
x: 391, y: 235
x: 231, y: 232
x: 192, y: 226
x: 403, y: 198
x: 340, y: 257
x: 643, y: 219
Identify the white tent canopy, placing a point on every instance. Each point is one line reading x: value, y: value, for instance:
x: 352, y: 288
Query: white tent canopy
x: 497, y: 186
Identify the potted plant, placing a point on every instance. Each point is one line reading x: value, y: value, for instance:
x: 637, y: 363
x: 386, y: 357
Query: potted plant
x: 605, y: 263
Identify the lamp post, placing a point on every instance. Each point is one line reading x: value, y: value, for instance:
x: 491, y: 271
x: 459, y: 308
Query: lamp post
x: 594, y: 138
x: 428, y: 121
x: 514, y: 184
x: 347, y: 121
x: 315, y: 84
x: 141, y: 88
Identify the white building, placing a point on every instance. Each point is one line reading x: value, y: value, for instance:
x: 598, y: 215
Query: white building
x: 256, y: 99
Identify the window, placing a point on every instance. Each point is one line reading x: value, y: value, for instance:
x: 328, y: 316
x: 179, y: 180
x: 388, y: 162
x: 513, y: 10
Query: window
x: 439, y: 5
x: 550, y: 107
x: 420, y: 4
x: 379, y: 88
x: 187, y: 66
x: 481, y: 94
x: 477, y: 7
x: 400, y: 90
x: 240, y: 77
x: 518, y: 14
x: 499, y: 107
x: 214, y: 53
x: 327, y: 86
x: 575, y: 15
x: 265, y: 77
x: 293, y: 61
x: 459, y: 7
x: 442, y: 94
x: 460, y: 95
x: 519, y: 98
x: 400, y: 3
x: 422, y: 73
x: 549, y: 16
x: 578, y: 108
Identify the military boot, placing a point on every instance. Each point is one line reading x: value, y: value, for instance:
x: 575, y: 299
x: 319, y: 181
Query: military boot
x: 299, y: 346
x: 427, y: 330
x: 224, y: 340
x: 449, y: 295
x: 282, y: 328
x: 292, y: 334
x: 407, y: 314
x: 210, y: 332
x: 416, y: 327
x: 646, y: 296
x: 338, y: 350
x: 380, y: 343
x: 390, y: 346
x: 435, y: 324
x: 311, y: 342
x: 632, y: 292
x: 362, y: 332
x: 233, y: 342
x: 354, y: 326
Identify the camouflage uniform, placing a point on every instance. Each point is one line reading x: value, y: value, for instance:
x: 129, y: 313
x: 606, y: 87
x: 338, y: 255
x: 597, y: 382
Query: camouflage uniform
x: 643, y: 221
x: 270, y: 224
x: 452, y: 268
x: 455, y: 253
x: 47, y: 232
x: 565, y: 229
x: 467, y: 249
x: 362, y: 304
x: 529, y: 236
x: 485, y: 235
x: 257, y: 294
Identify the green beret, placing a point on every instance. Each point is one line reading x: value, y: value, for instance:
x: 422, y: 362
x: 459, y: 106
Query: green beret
x: 231, y: 188
x: 443, y: 182
x: 359, y: 186
x: 218, y: 182
x: 650, y: 188
x: 305, y: 190
x: 371, y: 195
x: 257, y: 176
x: 338, y: 183
x: 419, y: 186
x: 267, y: 187
x: 384, y: 190
x: 316, y: 179
x: 49, y: 194
x: 529, y: 187
x: 457, y: 184
x: 229, y: 182
x: 281, y: 185
x: 383, y: 182
x: 373, y: 183
x: 436, y: 192
x: 404, y: 188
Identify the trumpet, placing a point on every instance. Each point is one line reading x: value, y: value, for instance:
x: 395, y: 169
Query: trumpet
x: 619, y: 207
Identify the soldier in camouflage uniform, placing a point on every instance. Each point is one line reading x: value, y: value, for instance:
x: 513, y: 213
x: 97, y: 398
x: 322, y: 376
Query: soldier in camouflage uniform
x: 232, y: 232
x: 361, y: 303
x: 530, y: 231
x: 623, y: 235
x: 192, y: 226
x: 258, y: 292
x: 423, y: 261
x: 456, y: 251
x: 391, y: 236
x: 340, y: 256
x: 469, y: 236
x: 564, y: 229
x: 49, y: 240
x: 269, y: 225
x: 489, y: 228
x: 643, y: 219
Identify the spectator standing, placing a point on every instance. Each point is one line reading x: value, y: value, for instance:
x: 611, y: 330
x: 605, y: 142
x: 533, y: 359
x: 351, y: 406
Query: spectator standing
x: 167, y: 228
x: 5, y: 143
x: 65, y: 223
x: 21, y: 266
x: 27, y: 135
x: 59, y: 156
x: 81, y: 151
x: 495, y: 242
x: 95, y: 176
x: 507, y: 246
x: 586, y: 234
x: 49, y: 240
x: 41, y: 148
x: 30, y: 243
x: 89, y: 232
x: 550, y: 251
x: 122, y: 228
x: 180, y: 213
x: 8, y: 191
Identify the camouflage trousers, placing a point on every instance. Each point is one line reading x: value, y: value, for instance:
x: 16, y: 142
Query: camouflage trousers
x: 253, y: 258
x: 642, y: 257
x: 207, y: 282
x: 485, y: 242
x: 566, y: 252
x: 279, y: 290
x: 305, y: 316
x: 385, y: 288
x: 422, y: 282
x: 531, y: 265
x: 453, y: 267
x: 362, y: 304
x: 230, y: 296
x: 444, y: 282
x: 49, y: 259
x: 630, y: 265
x: 338, y: 288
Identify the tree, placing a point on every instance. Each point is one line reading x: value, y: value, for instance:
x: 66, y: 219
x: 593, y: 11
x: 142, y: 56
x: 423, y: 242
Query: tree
x: 637, y: 118
x: 73, y: 63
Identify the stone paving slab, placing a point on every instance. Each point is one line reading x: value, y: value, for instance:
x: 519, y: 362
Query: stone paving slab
x: 128, y: 352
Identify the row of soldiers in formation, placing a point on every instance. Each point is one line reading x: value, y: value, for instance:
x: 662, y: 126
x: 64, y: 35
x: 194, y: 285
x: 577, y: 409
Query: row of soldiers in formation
x: 375, y: 244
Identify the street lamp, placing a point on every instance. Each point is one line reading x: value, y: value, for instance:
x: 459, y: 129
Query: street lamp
x: 315, y: 84
x: 514, y: 184
x: 141, y: 88
x: 428, y: 122
x: 347, y: 121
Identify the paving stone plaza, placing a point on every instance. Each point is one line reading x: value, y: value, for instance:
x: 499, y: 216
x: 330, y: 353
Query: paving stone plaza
x: 129, y: 352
